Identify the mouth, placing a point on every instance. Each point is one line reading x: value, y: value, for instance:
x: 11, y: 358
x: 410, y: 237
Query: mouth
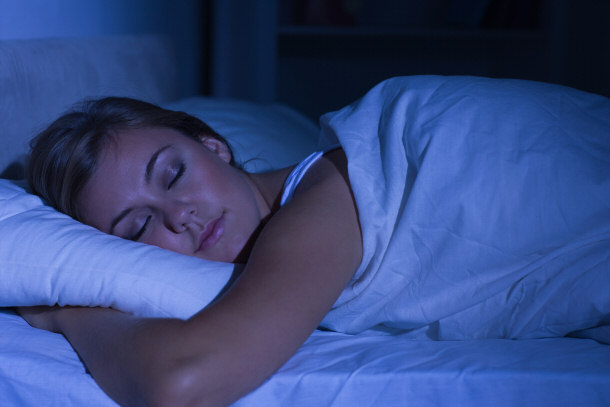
x: 211, y: 233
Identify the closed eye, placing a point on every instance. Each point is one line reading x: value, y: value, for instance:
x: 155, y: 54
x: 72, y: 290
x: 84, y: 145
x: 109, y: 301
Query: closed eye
x: 140, y: 232
x: 178, y: 175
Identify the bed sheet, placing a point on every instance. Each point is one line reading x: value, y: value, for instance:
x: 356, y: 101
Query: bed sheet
x: 38, y: 368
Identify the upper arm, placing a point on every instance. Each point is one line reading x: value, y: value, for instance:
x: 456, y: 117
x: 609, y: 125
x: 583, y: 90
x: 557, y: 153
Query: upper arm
x: 299, y: 265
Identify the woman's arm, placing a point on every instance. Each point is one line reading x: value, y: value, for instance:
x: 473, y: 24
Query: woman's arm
x: 299, y: 265
x: 124, y: 353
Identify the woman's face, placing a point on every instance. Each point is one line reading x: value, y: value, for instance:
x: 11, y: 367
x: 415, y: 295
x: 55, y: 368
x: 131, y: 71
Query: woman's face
x: 157, y: 186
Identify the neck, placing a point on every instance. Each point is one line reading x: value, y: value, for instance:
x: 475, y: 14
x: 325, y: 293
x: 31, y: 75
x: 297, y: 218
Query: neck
x: 268, y: 187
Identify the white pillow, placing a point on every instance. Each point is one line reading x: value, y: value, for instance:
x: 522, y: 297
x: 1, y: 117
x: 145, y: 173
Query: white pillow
x: 263, y: 137
x: 48, y: 258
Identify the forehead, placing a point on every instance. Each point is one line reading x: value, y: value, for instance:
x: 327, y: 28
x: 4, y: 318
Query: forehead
x: 127, y: 148
x: 140, y: 140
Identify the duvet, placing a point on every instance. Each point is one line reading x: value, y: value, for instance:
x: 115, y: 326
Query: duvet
x: 484, y: 206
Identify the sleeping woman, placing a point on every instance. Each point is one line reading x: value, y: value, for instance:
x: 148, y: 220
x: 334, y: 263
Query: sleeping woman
x: 441, y: 208
x: 165, y: 178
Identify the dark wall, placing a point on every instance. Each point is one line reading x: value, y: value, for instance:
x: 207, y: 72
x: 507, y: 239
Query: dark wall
x: 320, y: 55
x: 559, y: 41
x: 587, y: 59
x: 316, y: 61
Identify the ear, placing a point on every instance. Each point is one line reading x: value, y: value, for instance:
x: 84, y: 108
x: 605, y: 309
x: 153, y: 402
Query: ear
x: 217, y: 146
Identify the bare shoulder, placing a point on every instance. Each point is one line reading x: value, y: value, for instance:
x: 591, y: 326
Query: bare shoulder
x: 330, y: 169
x: 307, y: 252
x: 323, y: 211
x: 318, y: 229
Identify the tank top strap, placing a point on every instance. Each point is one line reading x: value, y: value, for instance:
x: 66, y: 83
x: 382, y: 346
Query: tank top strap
x: 297, y: 174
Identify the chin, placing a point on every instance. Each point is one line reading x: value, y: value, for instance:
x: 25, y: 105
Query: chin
x: 225, y: 255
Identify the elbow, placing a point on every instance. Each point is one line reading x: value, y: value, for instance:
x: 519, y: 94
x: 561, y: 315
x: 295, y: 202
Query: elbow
x: 180, y: 386
x: 186, y: 385
x: 174, y: 389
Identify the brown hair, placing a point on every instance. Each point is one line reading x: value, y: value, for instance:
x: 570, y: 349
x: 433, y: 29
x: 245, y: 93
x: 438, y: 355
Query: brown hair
x: 64, y: 156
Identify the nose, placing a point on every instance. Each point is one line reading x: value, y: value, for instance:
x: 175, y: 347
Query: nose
x: 178, y: 216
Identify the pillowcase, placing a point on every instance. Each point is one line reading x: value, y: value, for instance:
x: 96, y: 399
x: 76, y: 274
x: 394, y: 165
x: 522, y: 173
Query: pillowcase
x: 48, y: 258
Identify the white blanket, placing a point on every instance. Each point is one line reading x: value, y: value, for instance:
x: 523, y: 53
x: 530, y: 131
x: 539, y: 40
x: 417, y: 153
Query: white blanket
x: 484, y: 206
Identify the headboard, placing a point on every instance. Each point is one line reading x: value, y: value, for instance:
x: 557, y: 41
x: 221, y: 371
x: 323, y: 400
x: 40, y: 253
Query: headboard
x: 41, y: 78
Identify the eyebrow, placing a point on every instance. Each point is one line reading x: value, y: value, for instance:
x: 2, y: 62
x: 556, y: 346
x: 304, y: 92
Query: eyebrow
x: 151, y: 163
x: 150, y: 166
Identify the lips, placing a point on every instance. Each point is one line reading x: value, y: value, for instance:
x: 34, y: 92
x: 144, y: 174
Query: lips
x: 211, y: 234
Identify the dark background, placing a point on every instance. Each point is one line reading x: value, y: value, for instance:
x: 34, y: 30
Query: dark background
x: 319, y: 55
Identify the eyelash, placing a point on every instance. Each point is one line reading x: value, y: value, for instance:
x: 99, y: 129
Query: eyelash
x: 140, y: 232
x: 178, y: 175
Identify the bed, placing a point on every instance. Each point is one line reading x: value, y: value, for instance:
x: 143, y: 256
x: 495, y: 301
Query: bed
x: 47, y: 259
